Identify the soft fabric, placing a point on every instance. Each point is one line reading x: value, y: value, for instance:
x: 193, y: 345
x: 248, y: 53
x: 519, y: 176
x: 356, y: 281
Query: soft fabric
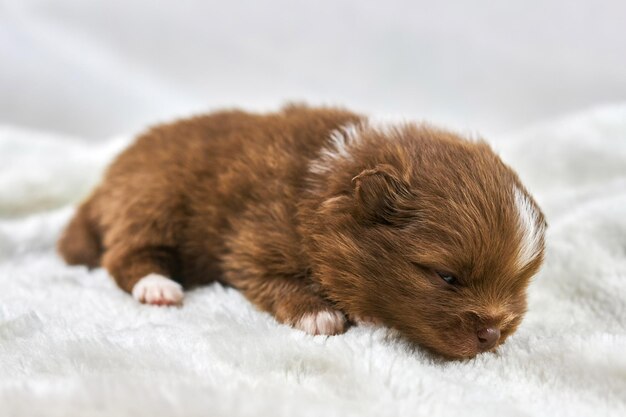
x: 72, y: 344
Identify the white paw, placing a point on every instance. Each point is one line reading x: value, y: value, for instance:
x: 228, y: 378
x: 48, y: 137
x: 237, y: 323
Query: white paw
x: 158, y: 290
x: 326, y: 322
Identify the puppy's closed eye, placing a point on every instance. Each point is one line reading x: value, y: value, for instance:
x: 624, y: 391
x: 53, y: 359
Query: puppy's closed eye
x: 448, y: 278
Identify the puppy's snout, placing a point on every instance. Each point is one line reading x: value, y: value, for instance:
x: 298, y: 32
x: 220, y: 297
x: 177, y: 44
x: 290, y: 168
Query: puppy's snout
x: 488, y: 338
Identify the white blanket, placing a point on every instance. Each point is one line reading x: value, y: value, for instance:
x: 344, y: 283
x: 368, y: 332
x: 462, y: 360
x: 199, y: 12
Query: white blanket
x: 72, y: 344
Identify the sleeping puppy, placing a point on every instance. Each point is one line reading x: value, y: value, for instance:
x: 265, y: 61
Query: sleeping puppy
x: 321, y: 218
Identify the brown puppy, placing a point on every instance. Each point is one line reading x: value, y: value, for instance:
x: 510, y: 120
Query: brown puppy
x: 318, y: 217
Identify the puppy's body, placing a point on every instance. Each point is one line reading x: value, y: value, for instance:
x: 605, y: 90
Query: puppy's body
x: 317, y: 216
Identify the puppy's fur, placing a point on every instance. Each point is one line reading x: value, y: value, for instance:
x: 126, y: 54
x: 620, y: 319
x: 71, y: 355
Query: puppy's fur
x: 319, y: 217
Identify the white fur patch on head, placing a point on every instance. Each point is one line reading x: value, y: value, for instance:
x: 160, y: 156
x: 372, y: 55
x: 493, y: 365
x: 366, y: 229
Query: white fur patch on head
x: 341, y: 140
x: 158, y: 290
x: 344, y: 138
x: 530, y: 229
x: 326, y: 322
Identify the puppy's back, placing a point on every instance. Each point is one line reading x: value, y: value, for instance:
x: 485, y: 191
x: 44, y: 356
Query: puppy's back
x: 181, y: 185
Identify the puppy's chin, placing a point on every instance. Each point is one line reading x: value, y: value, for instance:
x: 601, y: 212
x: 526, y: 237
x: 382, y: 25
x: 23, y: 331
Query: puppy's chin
x: 460, y: 350
x: 452, y: 346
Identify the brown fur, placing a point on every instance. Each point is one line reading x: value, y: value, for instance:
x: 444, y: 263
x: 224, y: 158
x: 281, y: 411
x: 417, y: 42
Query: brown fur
x: 232, y: 197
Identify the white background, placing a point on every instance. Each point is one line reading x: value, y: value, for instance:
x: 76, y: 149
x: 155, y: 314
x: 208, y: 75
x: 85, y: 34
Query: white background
x: 93, y: 69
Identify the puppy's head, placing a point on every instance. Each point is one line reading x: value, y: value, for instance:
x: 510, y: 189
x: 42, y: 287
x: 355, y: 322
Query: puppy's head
x: 434, y: 237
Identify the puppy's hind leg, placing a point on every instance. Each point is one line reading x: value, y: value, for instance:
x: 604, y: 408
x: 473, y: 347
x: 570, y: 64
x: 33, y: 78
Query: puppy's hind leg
x: 145, y: 273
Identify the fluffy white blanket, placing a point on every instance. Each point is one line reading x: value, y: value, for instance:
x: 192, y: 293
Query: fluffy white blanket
x: 72, y: 344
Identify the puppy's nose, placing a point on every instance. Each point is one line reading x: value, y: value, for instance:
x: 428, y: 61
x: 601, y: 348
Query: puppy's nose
x: 488, y: 337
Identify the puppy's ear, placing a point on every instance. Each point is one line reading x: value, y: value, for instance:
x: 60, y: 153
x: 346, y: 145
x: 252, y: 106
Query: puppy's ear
x: 382, y: 196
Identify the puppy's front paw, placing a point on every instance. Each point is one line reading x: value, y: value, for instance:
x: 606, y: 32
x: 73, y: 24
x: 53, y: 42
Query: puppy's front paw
x: 158, y: 290
x: 326, y: 322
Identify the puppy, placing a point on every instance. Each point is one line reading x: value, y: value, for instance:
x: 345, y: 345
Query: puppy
x: 320, y: 218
